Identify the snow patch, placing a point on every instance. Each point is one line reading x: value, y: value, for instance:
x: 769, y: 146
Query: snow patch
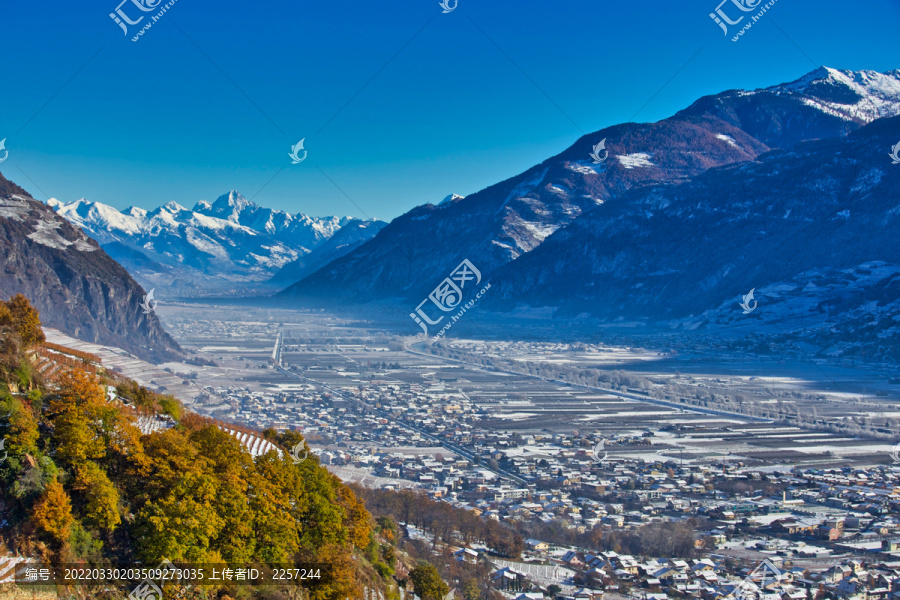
x: 727, y: 139
x: 634, y: 161
x: 583, y: 167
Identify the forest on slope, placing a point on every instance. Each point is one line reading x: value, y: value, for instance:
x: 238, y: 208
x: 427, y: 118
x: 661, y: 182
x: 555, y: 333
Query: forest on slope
x: 82, y: 484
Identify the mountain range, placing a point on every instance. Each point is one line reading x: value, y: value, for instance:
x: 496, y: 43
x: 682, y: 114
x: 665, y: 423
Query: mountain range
x: 77, y: 287
x: 788, y: 189
x: 231, y: 244
x: 500, y: 224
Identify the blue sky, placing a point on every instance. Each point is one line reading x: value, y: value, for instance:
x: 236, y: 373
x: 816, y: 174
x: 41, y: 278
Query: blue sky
x: 399, y: 103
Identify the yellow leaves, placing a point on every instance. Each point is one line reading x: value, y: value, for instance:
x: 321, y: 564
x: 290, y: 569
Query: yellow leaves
x: 86, y: 425
x: 357, y: 519
x: 101, y: 506
x: 176, y: 514
x: 342, y: 578
x: 23, y: 433
x: 78, y: 389
x: 52, y: 513
x: 24, y: 318
x: 76, y: 438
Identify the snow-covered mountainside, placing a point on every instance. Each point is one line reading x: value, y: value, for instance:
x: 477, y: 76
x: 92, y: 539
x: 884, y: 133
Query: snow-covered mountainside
x: 505, y: 222
x: 860, y: 96
x: 230, y: 244
x: 823, y: 103
x: 812, y: 230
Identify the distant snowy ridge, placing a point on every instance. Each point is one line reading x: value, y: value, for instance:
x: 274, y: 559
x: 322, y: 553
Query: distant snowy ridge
x: 862, y: 96
x: 231, y: 241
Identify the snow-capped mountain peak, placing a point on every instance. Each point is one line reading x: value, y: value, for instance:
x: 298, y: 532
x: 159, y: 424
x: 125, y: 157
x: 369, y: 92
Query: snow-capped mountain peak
x: 135, y: 211
x: 231, y: 206
x: 231, y: 238
x: 861, y: 96
x: 451, y: 198
x: 101, y: 221
x: 172, y: 207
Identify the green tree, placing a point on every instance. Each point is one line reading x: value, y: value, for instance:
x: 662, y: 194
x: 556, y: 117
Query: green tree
x: 427, y: 583
x: 471, y: 591
x: 275, y: 496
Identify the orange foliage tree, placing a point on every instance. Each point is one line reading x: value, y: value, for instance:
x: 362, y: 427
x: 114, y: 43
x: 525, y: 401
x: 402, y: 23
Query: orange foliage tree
x: 52, y: 513
x: 23, y: 317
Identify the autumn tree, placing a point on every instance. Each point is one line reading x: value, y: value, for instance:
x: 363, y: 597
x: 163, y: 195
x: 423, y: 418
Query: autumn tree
x: 87, y: 426
x: 24, y: 318
x: 357, y: 519
x: 233, y: 470
x: 21, y: 428
x: 100, y: 506
x: 52, y: 513
x: 341, y: 580
x: 174, y: 513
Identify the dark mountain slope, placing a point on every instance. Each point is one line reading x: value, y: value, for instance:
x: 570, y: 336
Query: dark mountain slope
x: 75, y: 285
x: 813, y: 229
x: 504, y: 222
